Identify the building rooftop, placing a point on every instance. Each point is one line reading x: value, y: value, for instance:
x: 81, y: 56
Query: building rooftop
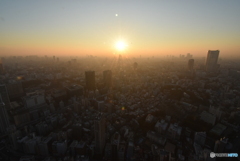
x: 74, y: 87
x: 161, y: 124
x: 14, y: 105
x: 46, y: 139
x: 208, y: 117
x: 74, y: 143
x: 81, y: 144
x: 218, y: 129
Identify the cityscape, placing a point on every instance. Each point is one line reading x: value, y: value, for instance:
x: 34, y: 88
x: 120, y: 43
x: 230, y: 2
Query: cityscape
x: 122, y: 100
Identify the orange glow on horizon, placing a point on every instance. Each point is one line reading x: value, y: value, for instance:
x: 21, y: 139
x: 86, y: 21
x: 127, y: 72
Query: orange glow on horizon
x: 60, y: 45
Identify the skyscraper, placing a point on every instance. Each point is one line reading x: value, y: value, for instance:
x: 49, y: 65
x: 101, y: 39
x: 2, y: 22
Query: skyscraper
x: 90, y: 80
x: 5, y: 96
x: 4, y: 121
x: 211, y: 62
x: 190, y: 64
x: 100, y: 133
x: 107, y: 78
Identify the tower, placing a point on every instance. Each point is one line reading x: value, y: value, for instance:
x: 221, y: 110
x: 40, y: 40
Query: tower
x: 4, y: 121
x: 90, y: 80
x: 190, y: 64
x: 100, y: 133
x: 211, y: 62
x: 107, y: 78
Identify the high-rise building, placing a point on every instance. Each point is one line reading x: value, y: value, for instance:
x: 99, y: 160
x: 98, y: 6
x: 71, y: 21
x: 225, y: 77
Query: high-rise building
x: 100, y: 133
x: 13, y: 135
x: 90, y: 80
x: 211, y: 62
x: 4, y: 121
x: 189, y: 56
x: 190, y: 64
x: 107, y: 78
x: 5, y: 97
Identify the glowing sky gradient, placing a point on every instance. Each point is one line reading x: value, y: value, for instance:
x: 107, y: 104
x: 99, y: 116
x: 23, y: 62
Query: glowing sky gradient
x: 78, y: 27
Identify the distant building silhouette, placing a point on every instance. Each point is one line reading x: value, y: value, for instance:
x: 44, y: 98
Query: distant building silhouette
x: 4, y: 121
x: 90, y: 80
x: 107, y: 78
x: 211, y: 62
x: 189, y: 56
x: 100, y: 133
x: 190, y: 64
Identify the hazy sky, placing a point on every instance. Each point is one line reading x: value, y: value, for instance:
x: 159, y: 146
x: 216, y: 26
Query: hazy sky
x: 52, y: 27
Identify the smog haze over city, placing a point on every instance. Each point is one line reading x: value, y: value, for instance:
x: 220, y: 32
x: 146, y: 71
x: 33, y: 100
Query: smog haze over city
x: 119, y: 80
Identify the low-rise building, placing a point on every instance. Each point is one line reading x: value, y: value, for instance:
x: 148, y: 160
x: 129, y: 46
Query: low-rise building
x: 161, y: 126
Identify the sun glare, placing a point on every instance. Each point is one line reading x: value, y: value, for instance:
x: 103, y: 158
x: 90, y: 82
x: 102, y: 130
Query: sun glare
x: 121, y: 45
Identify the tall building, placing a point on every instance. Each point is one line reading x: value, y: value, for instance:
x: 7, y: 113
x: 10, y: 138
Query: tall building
x: 211, y: 62
x: 100, y: 133
x: 107, y: 78
x: 189, y: 56
x: 5, y: 97
x: 4, y: 121
x: 135, y: 65
x: 190, y: 64
x: 90, y: 80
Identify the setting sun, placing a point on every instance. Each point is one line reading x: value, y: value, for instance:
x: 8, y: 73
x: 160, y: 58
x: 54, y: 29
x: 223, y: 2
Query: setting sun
x: 121, y: 45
